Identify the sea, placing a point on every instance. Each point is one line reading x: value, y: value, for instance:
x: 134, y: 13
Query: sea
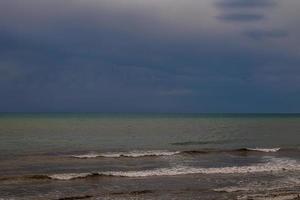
x: 68, y: 156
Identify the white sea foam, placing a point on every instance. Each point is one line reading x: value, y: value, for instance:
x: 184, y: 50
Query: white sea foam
x: 232, y: 189
x: 264, y: 187
x: 69, y: 176
x: 136, y: 154
x: 88, y: 155
x: 273, y: 150
x: 133, y: 154
x: 270, y: 196
x: 273, y: 164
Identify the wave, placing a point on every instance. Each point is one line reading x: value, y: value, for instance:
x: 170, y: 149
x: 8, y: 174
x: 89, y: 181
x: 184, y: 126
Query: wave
x: 283, y: 184
x: 135, y: 192
x: 273, y: 150
x: 137, y: 154
x: 262, y: 150
x: 273, y: 164
x: 70, y: 176
x: 133, y: 154
x: 75, y: 197
x: 232, y: 189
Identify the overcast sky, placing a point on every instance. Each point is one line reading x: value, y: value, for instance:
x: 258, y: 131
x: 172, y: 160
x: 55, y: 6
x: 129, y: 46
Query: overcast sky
x: 149, y: 56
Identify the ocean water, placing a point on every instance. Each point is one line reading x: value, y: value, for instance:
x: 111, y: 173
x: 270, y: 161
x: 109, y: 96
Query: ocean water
x: 149, y: 156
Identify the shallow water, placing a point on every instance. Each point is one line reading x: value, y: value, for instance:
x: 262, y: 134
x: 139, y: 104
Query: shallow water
x: 98, y: 156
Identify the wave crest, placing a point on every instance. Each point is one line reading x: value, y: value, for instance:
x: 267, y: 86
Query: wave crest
x: 271, y: 150
x: 274, y: 164
x: 133, y: 154
x: 137, y: 154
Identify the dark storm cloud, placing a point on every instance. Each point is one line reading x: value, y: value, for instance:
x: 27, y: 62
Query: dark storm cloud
x: 234, y: 10
x: 138, y: 56
x: 240, y: 17
x: 266, y: 34
x: 245, y: 3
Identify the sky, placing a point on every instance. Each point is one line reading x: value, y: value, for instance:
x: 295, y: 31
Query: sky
x: 190, y: 56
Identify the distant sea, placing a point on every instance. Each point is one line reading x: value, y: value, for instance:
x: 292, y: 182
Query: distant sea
x: 63, y: 156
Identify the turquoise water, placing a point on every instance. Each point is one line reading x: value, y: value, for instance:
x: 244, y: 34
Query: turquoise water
x: 148, y: 156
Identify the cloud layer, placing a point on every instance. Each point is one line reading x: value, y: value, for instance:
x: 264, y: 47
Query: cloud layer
x: 149, y: 56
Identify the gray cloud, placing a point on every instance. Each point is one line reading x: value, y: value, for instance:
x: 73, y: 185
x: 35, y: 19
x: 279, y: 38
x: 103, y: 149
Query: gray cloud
x: 265, y: 34
x: 135, y: 55
x: 240, y: 17
x: 245, y: 3
x: 245, y: 11
x: 234, y: 10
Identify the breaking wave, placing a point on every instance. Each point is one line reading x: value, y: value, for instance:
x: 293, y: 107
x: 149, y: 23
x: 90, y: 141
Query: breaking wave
x: 133, y: 154
x: 273, y: 150
x: 274, y: 164
x: 271, y: 164
x: 136, y: 154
